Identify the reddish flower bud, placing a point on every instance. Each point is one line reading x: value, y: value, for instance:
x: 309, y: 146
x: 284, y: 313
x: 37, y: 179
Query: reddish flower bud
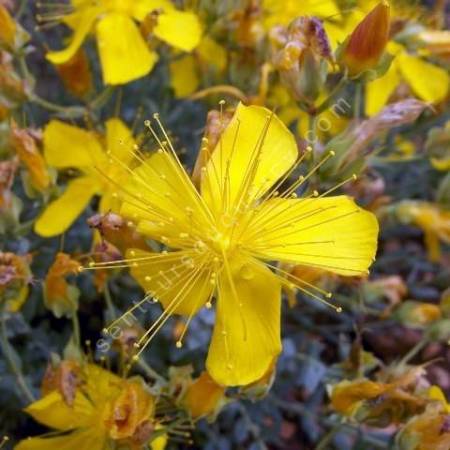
x: 365, y: 46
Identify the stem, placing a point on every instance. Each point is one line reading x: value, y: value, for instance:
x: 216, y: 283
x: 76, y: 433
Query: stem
x: 21, y: 9
x: 151, y: 372
x: 9, y: 357
x: 334, y: 93
x: 109, y: 302
x: 66, y: 111
x: 414, y: 351
x: 358, y: 100
x: 76, y: 329
x: 298, y: 409
x: 323, y: 444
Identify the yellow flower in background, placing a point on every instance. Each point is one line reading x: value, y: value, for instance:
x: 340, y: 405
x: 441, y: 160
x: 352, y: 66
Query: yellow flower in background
x: 68, y: 146
x: 124, y: 53
x: 105, y: 409
x: 432, y: 219
x: 413, y: 70
x: 281, y: 13
x: 224, y: 237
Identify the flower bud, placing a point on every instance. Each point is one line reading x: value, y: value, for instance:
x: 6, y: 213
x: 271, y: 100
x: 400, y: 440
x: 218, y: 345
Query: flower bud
x: 76, y: 74
x: 300, y: 52
x: 365, y: 46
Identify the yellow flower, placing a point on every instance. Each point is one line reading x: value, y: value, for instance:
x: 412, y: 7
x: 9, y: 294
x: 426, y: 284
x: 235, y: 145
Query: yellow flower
x: 224, y: 236
x: 432, y: 219
x: 105, y: 409
x: 67, y: 146
x: 124, y: 53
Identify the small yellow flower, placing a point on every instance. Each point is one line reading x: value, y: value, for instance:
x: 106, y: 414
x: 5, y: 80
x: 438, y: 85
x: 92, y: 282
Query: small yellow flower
x: 224, y: 237
x: 67, y: 146
x: 105, y: 409
x: 432, y: 219
x: 124, y: 54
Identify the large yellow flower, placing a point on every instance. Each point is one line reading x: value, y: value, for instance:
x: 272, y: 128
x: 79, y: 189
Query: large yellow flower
x: 67, y: 146
x: 124, y: 54
x: 224, y: 237
x: 105, y: 409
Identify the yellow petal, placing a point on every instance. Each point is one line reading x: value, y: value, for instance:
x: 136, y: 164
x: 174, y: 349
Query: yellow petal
x: 212, y: 53
x: 53, y: 411
x: 183, y: 76
x: 69, y: 146
x: 124, y: 55
x: 332, y: 233
x: 61, y: 213
x: 255, y: 150
x: 84, y: 21
x: 140, y: 8
x: 165, y: 191
x: 246, y: 335
x: 101, y: 384
x: 119, y: 140
x: 91, y: 439
x: 180, y: 29
x: 436, y: 393
x: 177, y: 280
x: 284, y: 12
x: 379, y: 90
x: 428, y: 81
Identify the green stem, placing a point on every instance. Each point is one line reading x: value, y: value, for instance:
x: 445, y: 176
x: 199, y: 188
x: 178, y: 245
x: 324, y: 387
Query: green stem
x: 323, y: 444
x: 298, y: 409
x: 358, y: 100
x: 109, y: 302
x: 334, y: 93
x: 76, y: 329
x: 21, y: 9
x: 414, y: 351
x: 66, y: 111
x: 9, y: 357
x: 151, y: 372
